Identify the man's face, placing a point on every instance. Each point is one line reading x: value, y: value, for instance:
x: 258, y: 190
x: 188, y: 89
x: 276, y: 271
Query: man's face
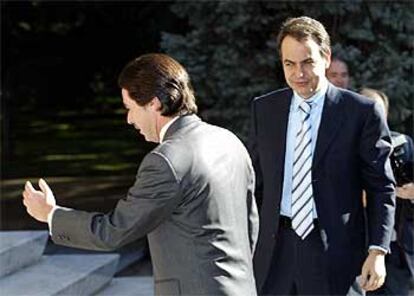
x: 143, y: 118
x: 303, y: 65
x: 338, y: 74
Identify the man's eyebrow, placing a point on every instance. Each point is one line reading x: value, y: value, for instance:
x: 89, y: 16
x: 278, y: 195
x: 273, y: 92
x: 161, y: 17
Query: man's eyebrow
x: 307, y: 60
x: 303, y: 61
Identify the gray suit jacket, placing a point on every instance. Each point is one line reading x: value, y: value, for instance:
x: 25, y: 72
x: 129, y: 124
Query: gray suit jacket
x: 193, y: 196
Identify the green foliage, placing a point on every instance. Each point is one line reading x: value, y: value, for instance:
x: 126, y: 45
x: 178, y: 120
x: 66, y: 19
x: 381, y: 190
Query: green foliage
x: 230, y: 51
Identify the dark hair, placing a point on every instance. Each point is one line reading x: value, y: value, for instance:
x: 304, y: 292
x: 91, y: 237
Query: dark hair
x: 158, y: 75
x: 305, y: 27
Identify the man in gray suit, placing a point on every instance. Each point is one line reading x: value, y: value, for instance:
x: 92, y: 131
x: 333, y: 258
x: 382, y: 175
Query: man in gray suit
x: 193, y: 193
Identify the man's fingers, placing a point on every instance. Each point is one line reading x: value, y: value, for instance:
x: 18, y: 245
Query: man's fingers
x: 408, y: 186
x: 50, y: 199
x: 25, y: 200
x: 29, y: 187
x: 372, y: 282
x: 380, y: 282
x: 372, y: 279
x: 44, y: 187
x: 363, y: 280
x: 363, y: 283
x: 26, y: 197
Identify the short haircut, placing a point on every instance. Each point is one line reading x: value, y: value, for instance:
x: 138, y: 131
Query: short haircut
x: 304, y: 27
x: 158, y: 75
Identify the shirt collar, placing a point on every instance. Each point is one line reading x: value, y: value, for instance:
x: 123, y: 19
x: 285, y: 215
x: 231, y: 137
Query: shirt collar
x: 166, y: 126
x: 316, y: 99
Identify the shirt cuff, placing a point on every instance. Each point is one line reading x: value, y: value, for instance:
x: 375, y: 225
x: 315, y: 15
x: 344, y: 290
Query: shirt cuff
x: 378, y: 248
x: 50, y: 217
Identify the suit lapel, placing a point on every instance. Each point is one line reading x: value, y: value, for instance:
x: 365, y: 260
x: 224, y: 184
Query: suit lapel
x: 273, y: 121
x: 331, y: 120
x: 280, y: 129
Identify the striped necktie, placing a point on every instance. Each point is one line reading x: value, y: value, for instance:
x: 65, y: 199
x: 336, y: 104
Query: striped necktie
x: 302, y: 193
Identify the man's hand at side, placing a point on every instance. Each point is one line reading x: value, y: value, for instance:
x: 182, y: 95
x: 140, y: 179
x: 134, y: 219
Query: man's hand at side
x: 38, y: 203
x: 406, y: 191
x: 373, y: 271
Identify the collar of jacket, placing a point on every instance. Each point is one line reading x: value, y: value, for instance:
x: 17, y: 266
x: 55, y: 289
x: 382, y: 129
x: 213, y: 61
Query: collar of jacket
x: 181, y: 122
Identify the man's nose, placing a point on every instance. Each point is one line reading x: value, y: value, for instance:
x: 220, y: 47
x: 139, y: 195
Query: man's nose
x: 299, y: 71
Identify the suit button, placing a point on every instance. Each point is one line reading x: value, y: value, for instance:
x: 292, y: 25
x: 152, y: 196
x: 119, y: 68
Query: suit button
x: 273, y: 236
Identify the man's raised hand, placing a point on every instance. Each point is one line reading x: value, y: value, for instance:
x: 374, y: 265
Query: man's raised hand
x: 38, y: 203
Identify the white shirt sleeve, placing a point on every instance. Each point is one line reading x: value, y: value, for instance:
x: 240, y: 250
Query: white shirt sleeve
x: 378, y: 248
x: 50, y: 217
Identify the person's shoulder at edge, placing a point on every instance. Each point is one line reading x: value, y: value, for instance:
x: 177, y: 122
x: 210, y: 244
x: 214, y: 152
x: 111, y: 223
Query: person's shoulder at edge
x: 357, y: 97
x: 352, y: 98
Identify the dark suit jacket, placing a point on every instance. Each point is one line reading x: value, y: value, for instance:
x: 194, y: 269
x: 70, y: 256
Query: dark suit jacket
x: 351, y: 154
x: 193, y: 196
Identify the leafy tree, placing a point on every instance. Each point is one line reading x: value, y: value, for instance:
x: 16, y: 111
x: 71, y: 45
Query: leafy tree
x: 231, y: 54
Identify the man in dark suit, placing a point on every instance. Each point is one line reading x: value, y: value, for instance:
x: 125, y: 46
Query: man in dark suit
x: 193, y: 193
x: 400, y: 262
x: 315, y: 147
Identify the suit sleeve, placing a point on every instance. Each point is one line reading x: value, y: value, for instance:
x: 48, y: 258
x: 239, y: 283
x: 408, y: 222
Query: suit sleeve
x: 253, y: 215
x: 254, y: 154
x: 149, y: 202
x: 375, y: 149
